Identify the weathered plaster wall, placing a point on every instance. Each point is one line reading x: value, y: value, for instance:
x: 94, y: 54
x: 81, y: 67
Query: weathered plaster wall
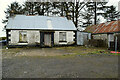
x: 69, y: 35
x: 100, y: 36
x: 112, y: 40
x: 14, y: 38
x: 33, y: 37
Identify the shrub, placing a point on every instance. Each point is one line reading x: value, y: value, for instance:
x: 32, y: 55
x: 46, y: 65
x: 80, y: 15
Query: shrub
x: 97, y: 43
x: 2, y: 38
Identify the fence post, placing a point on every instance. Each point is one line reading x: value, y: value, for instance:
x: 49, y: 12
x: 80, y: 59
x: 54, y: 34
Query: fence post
x: 116, y: 44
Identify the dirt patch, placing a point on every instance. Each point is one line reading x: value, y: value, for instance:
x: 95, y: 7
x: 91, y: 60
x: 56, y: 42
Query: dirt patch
x: 13, y: 52
x: 55, y: 51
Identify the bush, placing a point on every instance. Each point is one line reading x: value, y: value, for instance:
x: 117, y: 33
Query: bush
x: 97, y: 43
x: 2, y: 38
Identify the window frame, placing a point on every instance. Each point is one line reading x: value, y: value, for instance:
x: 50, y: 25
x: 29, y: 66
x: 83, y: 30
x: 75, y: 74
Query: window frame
x: 61, y: 39
x: 23, y: 33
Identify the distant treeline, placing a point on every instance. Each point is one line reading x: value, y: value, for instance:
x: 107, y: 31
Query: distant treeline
x: 81, y: 13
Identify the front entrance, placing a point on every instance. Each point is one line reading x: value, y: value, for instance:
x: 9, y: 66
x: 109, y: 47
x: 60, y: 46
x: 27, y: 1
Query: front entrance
x: 47, y: 39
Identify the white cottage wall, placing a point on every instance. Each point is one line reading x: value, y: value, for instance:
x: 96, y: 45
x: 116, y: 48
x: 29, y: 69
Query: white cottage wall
x: 33, y: 37
x: 69, y: 37
x: 14, y: 38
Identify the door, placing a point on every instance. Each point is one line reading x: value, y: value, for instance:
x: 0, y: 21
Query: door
x: 85, y: 39
x: 47, y: 39
x: 79, y: 38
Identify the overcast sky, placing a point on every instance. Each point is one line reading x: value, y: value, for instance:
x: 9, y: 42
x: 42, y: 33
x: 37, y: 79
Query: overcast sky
x: 4, y: 4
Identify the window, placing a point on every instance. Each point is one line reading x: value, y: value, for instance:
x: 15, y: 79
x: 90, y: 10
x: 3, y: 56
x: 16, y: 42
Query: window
x: 62, y: 37
x: 23, y: 37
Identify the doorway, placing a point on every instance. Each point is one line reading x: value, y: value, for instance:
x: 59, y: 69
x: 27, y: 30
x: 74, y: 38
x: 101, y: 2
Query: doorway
x: 47, y: 39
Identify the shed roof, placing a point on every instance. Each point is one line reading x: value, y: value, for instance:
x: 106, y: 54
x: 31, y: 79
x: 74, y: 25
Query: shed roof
x: 40, y: 22
x: 108, y: 27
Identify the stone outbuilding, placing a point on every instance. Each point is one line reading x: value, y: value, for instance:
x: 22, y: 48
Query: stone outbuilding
x: 107, y: 32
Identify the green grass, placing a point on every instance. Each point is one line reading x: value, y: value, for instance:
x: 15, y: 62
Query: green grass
x: 82, y: 50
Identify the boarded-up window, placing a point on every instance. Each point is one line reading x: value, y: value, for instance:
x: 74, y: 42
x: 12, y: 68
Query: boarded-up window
x: 23, y: 36
x: 62, y: 37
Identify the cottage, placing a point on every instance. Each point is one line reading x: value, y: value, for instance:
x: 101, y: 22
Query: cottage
x: 106, y: 31
x: 40, y: 30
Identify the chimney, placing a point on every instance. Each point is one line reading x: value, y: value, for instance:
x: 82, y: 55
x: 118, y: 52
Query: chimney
x: 69, y: 16
x: 26, y: 13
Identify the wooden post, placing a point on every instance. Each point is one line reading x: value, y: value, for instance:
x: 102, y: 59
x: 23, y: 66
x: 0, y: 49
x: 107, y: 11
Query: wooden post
x: 116, y: 44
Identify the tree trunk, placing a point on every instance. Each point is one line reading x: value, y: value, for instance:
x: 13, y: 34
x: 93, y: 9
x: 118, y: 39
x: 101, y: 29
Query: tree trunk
x: 62, y: 8
x: 32, y: 9
x: 95, y: 20
x: 73, y: 12
x: 76, y: 15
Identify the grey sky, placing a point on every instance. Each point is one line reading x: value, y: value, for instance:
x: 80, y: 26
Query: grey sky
x: 4, y: 4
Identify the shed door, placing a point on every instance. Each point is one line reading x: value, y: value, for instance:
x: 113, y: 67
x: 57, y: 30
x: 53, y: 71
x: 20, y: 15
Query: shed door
x: 85, y: 39
x: 47, y: 39
x: 79, y: 38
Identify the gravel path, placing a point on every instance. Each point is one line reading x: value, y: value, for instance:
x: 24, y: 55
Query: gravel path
x: 57, y: 67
